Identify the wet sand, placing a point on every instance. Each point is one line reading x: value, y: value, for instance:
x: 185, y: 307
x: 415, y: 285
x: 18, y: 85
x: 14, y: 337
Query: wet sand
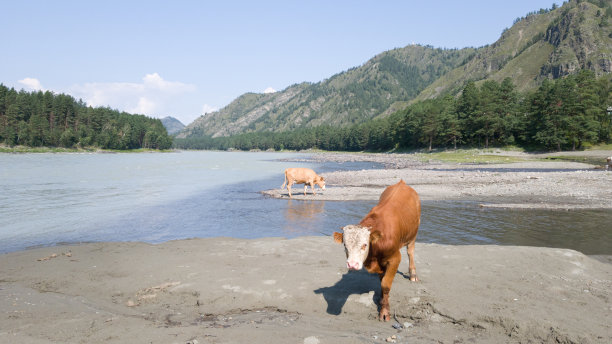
x: 298, y: 291
x: 274, y: 290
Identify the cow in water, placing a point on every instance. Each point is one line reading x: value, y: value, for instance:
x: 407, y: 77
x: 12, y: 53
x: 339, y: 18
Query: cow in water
x: 301, y: 175
x: 376, y: 241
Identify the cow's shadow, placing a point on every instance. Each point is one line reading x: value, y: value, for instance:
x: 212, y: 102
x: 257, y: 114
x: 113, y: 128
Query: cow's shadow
x: 353, y: 282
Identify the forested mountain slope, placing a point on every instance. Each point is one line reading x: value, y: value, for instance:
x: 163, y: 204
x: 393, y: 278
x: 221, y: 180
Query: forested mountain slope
x: 547, y: 44
x: 544, y: 45
x: 350, y: 97
x: 47, y: 119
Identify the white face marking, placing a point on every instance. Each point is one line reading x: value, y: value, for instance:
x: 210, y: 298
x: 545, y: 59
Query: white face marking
x: 356, y: 245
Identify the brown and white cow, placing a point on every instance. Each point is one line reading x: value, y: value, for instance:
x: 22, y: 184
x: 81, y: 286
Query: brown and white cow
x: 301, y: 175
x: 608, y: 163
x: 376, y: 241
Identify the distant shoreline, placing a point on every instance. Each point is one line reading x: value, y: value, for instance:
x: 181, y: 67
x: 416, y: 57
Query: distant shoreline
x: 528, y: 183
x: 27, y: 149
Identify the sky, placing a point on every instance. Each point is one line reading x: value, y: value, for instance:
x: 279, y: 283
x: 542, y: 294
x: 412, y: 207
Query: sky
x: 187, y: 58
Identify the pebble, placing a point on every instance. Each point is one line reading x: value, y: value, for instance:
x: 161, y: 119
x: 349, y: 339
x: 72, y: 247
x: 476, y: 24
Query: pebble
x: 311, y: 340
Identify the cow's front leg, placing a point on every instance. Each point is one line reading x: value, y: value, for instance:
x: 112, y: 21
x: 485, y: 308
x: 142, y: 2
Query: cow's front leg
x: 386, y: 280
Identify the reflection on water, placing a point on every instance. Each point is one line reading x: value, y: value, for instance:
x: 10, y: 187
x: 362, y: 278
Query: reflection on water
x: 300, y: 215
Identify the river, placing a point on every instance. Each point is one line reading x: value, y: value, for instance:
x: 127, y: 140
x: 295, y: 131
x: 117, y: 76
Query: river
x: 63, y: 198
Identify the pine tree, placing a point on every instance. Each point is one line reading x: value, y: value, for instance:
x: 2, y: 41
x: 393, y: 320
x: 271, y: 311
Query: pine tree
x: 467, y: 108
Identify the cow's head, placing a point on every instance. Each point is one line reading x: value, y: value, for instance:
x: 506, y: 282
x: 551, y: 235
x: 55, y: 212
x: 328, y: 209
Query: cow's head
x: 357, y: 240
x: 320, y: 181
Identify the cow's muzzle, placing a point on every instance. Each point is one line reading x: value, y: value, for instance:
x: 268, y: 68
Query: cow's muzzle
x: 352, y: 265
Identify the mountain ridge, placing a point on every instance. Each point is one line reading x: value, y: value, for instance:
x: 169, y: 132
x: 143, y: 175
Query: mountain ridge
x: 172, y: 125
x: 353, y: 96
x: 546, y: 45
x: 540, y: 46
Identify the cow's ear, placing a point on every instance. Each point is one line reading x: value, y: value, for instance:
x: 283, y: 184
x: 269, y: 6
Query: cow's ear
x: 375, y: 236
x: 338, y: 237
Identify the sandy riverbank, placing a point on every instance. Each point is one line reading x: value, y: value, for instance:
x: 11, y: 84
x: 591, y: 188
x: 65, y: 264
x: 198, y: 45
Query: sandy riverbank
x: 298, y: 291
x: 527, y: 184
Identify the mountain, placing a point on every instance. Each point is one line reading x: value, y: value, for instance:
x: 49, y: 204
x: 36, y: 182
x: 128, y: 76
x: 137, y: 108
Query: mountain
x: 172, y: 125
x: 547, y: 44
x: 544, y: 45
x: 350, y: 97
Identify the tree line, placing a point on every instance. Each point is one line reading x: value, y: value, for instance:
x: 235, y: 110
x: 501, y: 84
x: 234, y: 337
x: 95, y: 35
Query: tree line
x: 566, y: 113
x: 40, y: 118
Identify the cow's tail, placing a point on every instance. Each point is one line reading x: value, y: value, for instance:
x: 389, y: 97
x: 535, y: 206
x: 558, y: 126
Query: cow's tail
x: 285, y: 182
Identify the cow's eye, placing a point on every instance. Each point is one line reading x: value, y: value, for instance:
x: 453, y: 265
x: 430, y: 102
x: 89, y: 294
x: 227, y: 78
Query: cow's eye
x: 363, y: 247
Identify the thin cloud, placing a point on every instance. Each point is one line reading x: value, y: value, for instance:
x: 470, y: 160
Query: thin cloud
x: 156, y: 82
x: 154, y: 96
x: 144, y: 106
x: 32, y: 84
x: 208, y: 109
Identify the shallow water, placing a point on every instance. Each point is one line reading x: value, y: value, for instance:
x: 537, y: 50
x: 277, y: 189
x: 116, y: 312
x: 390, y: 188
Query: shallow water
x: 585, y: 230
x: 46, y: 199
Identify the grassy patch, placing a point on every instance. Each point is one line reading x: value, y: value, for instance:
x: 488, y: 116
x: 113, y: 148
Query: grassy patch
x: 25, y: 149
x: 593, y: 160
x: 601, y: 147
x: 472, y: 156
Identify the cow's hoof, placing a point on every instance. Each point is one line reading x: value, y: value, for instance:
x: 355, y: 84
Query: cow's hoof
x: 413, y: 275
x: 384, y: 315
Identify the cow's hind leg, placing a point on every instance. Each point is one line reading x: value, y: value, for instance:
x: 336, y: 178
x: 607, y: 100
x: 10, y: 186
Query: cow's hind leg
x: 411, y: 266
x: 285, y: 182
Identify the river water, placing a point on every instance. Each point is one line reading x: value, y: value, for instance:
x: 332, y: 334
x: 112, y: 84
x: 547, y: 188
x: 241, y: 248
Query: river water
x: 49, y: 199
